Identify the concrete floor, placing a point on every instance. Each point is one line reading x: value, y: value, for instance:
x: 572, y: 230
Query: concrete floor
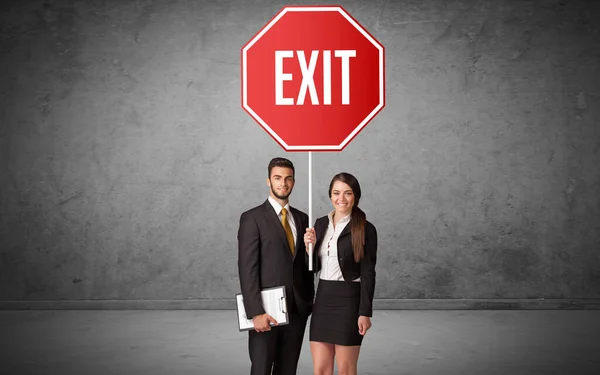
x: 207, y: 342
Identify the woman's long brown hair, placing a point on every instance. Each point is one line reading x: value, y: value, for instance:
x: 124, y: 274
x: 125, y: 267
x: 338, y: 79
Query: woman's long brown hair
x: 359, y: 218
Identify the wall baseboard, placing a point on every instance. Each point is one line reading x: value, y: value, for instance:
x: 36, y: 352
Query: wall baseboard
x: 378, y: 304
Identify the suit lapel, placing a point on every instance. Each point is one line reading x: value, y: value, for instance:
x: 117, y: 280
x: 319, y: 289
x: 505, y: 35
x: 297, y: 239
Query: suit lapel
x: 320, y: 228
x: 299, y: 231
x: 346, y: 230
x: 343, y: 250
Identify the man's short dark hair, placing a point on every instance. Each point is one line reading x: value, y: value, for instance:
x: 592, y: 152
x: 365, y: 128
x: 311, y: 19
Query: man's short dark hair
x: 281, y: 162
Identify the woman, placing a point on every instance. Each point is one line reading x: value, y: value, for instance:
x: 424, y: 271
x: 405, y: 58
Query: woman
x: 345, y: 246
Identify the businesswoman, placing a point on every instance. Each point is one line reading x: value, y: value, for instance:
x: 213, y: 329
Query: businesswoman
x: 345, y: 246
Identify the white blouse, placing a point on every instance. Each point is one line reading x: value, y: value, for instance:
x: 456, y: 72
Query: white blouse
x: 328, y: 251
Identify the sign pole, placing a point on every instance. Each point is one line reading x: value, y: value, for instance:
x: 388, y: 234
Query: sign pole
x: 310, y: 220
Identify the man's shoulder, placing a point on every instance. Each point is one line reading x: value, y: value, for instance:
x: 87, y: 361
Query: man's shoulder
x: 254, y: 210
x: 297, y: 211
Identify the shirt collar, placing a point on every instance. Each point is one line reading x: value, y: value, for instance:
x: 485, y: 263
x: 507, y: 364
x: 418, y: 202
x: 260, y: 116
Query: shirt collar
x: 277, y: 207
x: 345, y: 219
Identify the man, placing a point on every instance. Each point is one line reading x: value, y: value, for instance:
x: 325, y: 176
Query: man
x: 271, y: 252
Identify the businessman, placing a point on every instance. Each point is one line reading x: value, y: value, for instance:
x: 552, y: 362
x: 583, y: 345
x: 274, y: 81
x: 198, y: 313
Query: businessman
x: 271, y: 253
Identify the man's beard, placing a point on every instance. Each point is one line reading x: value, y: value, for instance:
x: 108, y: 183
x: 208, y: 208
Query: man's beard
x: 281, y: 196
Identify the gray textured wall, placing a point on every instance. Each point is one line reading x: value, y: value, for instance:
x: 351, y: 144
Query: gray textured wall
x: 126, y: 158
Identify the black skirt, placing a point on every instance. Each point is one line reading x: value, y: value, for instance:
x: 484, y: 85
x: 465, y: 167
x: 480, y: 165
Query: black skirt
x: 334, y: 318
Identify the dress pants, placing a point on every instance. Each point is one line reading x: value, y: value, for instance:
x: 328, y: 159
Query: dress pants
x: 277, y: 350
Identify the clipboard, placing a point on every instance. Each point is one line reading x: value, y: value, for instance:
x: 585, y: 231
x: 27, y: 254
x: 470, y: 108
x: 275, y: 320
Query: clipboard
x: 274, y: 302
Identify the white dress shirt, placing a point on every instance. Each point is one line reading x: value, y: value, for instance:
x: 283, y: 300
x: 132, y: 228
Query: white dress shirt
x: 328, y: 251
x: 277, y: 207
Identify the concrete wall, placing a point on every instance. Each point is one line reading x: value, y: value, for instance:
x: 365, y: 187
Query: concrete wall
x: 126, y: 158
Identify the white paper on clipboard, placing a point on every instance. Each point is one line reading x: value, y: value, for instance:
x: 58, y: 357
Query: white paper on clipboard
x: 274, y: 302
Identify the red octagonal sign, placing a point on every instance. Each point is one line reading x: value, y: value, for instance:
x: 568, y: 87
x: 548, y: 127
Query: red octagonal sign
x: 313, y: 78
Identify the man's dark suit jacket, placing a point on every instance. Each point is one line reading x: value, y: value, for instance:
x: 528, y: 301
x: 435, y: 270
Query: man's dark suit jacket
x: 265, y: 260
x: 350, y: 269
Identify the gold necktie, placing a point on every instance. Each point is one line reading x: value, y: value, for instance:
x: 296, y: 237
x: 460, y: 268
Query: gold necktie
x: 288, y: 230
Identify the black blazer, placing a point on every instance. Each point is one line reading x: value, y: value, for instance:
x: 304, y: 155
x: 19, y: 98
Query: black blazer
x: 265, y: 260
x: 350, y: 269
